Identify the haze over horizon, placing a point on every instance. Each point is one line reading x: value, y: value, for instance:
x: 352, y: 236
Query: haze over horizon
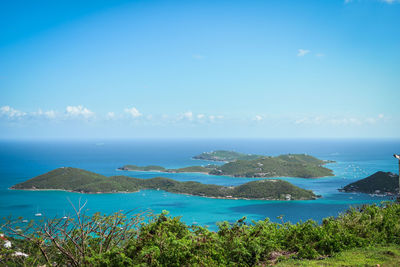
x: 235, y: 69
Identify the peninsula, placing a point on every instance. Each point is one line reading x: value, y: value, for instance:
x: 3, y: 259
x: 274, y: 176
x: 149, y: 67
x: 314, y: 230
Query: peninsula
x: 82, y: 181
x: 289, y: 165
x: 378, y: 183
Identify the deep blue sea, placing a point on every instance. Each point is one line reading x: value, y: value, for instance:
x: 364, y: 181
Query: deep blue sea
x: 22, y: 160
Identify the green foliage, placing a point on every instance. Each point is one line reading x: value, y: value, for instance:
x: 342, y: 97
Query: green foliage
x: 247, y: 165
x: 87, y: 182
x: 142, y: 168
x: 192, y: 169
x: 167, y: 241
x: 291, y: 165
x: 224, y: 155
x: 379, y: 182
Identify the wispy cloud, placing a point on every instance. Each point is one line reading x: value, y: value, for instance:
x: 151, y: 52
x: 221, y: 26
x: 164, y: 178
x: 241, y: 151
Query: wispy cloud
x: 11, y: 113
x: 110, y: 115
x: 339, y: 121
x: 302, y: 52
x: 188, y: 115
x: 258, y: 118
x: 49, y: 114
x: 79, y: 111
x: 133, y: 112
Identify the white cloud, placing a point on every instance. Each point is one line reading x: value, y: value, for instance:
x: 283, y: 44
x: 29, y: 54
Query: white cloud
x: 302, y: 52
x: 340, y: 121
x: 110, y: 115
x: 133, y: 112
x: 77, y: 111
x: 50, y: 114
x: 373, y: 120
x: 200, y: 116
x: 187, y: 115
x: 213, y: 118
x: 258, y: 118
x: 11, y: 112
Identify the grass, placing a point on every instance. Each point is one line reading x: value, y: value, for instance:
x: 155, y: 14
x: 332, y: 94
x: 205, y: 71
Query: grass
x: 372, y: 256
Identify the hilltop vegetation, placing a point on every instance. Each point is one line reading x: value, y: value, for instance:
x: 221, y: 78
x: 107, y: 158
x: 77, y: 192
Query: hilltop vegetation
x: 366, y: 236
x: 379, y: 182
x: 155, y: 168
x: 290, y: 165
x: 224, y: 155
x: 78, y: 180
x: 142, y: 168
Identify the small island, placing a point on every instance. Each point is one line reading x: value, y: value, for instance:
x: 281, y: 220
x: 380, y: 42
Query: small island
x: 154, y: 168
x: 381, y: 183
x: 289, y: 165
x: 226, y: 156
x: 82, y: 181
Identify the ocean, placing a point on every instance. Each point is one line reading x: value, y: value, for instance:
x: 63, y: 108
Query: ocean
x: 22, y: 160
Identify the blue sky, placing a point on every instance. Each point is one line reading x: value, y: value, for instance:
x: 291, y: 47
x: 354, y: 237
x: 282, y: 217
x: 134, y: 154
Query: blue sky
x: 109, y: 69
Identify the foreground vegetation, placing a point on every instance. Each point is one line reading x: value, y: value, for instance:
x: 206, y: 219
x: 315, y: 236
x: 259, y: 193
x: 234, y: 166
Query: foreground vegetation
x: 290, y: 165
x: 378, y: 183
x: 78, y: 180
x: 369, y: 233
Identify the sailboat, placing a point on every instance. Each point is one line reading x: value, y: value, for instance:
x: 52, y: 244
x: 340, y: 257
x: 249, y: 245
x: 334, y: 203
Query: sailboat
x: 38, y: 214
x: 64, y: 217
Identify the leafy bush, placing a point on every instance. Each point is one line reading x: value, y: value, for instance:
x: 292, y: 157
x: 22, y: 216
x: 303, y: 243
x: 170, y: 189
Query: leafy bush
x: 162, y: 240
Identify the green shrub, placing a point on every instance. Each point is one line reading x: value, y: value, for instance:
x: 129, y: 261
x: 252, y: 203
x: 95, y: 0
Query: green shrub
x: 118, y: 240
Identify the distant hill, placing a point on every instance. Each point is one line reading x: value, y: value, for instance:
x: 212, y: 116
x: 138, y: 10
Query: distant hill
x: 78, y: 180
x: 149, y: 168
x: 289, y: 165
x: 225, y: 155
x: 379, y: 183
x: 155, y: 168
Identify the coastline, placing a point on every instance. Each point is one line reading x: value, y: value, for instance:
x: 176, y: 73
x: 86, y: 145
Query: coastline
x: 206, y: 173
x: 125, y: 192
x: 118, y: 169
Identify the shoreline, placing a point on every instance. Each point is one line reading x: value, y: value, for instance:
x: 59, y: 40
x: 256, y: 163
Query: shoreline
x: 125, y: 192
x: 160, y: 171
x: 206, y: 173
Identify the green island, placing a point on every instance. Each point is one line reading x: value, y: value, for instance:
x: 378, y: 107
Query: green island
x: 382, y: 183
x: 225, y: 155
x: 154, y: 168
x: 289, y: 165
x: 364, y: 236
x: 78, y: 180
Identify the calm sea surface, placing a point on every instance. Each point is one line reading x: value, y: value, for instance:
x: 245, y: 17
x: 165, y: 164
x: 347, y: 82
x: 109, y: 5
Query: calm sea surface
x: 22, y: 160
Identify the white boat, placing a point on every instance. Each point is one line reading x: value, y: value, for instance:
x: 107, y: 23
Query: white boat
x: 38, y: 214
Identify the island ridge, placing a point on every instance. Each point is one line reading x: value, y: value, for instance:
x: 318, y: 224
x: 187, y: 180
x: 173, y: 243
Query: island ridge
x: 82, y: 181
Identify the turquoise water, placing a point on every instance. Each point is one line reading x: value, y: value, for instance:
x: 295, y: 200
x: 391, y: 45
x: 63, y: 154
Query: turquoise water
x: 21, y: 160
